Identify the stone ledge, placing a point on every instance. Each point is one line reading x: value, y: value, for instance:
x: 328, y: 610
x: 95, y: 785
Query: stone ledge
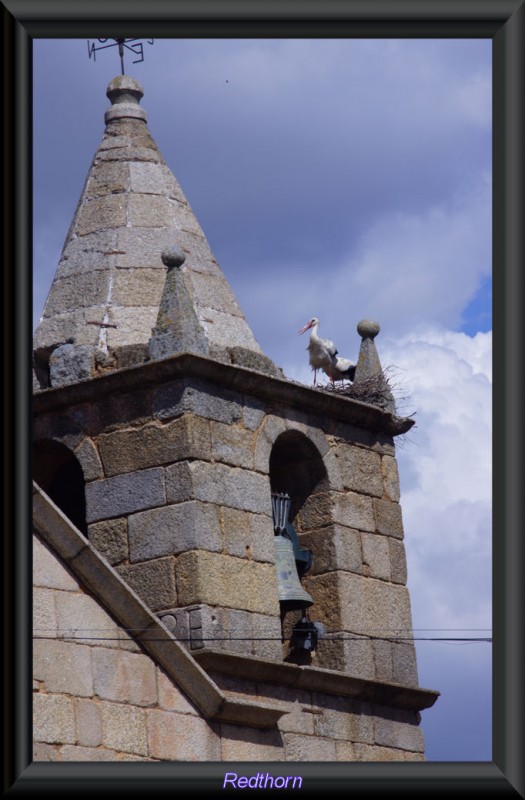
x: 106, y: 585
x: 317, y: 679
x: 241, y: 379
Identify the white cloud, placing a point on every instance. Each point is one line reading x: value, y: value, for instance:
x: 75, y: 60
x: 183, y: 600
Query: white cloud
x: 446, y: 476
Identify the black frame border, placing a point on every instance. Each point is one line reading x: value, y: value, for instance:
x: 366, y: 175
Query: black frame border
x: 503, y: 21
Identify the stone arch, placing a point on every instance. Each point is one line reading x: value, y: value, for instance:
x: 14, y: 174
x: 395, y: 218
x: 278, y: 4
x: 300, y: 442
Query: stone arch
x: 58, y: 472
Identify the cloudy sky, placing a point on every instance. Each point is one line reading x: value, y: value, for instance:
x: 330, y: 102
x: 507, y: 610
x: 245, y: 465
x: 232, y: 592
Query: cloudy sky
x: 341, y: 179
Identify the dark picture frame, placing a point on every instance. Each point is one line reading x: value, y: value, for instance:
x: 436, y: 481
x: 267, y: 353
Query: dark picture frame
x: 502, y: 21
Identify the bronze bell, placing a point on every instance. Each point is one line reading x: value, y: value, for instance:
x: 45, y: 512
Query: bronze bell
x: 292, y: 596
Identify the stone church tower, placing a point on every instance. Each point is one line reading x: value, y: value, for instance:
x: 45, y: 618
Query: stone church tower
x: 163, y: 439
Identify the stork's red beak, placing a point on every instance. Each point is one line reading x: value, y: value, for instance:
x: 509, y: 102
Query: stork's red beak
x: 305, y: 328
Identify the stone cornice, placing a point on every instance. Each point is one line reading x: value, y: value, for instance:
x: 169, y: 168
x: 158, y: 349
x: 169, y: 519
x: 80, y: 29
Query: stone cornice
x: 245, y: 381
x: 315, y: 679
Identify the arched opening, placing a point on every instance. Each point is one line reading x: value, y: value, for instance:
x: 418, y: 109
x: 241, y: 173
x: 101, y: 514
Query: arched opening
x: 57, y: 470
x: 296, y: 467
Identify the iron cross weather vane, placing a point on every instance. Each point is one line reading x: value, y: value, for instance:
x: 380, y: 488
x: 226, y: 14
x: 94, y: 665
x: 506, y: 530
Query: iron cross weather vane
x: 135, y: 45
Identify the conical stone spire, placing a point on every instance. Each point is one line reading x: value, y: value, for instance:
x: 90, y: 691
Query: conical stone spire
x: 105, y: 298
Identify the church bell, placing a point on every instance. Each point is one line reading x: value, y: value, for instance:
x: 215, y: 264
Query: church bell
x: 292, y: 596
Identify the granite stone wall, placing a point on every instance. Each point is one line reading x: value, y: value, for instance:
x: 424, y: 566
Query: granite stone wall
x: 97, y: 696
x: 178, y: 481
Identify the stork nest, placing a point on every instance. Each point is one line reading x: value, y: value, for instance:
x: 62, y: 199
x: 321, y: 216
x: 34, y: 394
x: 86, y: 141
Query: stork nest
x: 378, y: 390
x: 375, y: 391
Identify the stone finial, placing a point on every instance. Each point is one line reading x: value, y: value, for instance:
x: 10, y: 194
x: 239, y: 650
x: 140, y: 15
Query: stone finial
x: 125, y: 94
x: 178, y: 329
x: 368, y: 364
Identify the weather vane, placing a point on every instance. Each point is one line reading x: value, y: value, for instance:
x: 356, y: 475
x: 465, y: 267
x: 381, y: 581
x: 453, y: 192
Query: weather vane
x: 136, y: 48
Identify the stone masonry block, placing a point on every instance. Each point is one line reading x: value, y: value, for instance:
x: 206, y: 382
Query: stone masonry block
x: 353, y: 656
x: 124, y: 494
x: 236, y: 630
x: 116, y: 410
x: 65, y: 667
x: 360, y: 469
x: 317, y: 511
x: 404, y: 664
x: 142, y: 247
x: 198, y: 397
x: 124, y: 728
x: 108, y: 178
x: 221, y: 580
x: 262, y: 537
x: 308, y: 748
x: 124, y: 677
x: 367, y: 752
x: 77, y: 291
x: 176, y: 737
x: 132, y: 325
x: 44, y: 613
x: 333, y: 471
x: 388, y: 518
x: 398, y: 728
x: 249, y: 744
x: 390, y: 475
x: 88, y: 722
x: 136, y: 287
x: 383, y: 660
x: 398, y: 562
x: 343, y: 718
x: 147, y: 178
x: 247, y: 535
x: 232, y: 444
x: 89, y: 460
x: 88, y: 253
x: 354, y: 510
x: 174, y: 529
x: 171, y: 698
x: 224, y: 485
x: 70, y: 363
x: 110, y: 538
x: 212, y: 291
x: 153, y: 581
x: 80, y: 617
x: 108, y: 211
x: 48, y: 571
x: 376, y: 556
x: 176, y: 620
x: 236, y: 532
x: 334, y: 548
x: 179, y: 482
x: 53, y: 719
x: 253, y: 413
x: 222, y: 329
x: 148, y: 211
x: 366, y: 606
x: 266, y: 636
x: 135, y: 449
x: 45, y: 752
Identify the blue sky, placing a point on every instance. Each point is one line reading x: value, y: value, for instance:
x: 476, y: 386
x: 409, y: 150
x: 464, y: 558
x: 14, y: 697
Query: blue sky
x: 341, y: 179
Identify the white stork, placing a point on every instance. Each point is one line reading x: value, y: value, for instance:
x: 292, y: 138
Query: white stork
x: 322, y: 351
x: 341, y: 369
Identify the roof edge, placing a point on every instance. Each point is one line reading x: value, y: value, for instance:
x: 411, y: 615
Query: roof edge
x: 126, y: 607
x: 232, y: 376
